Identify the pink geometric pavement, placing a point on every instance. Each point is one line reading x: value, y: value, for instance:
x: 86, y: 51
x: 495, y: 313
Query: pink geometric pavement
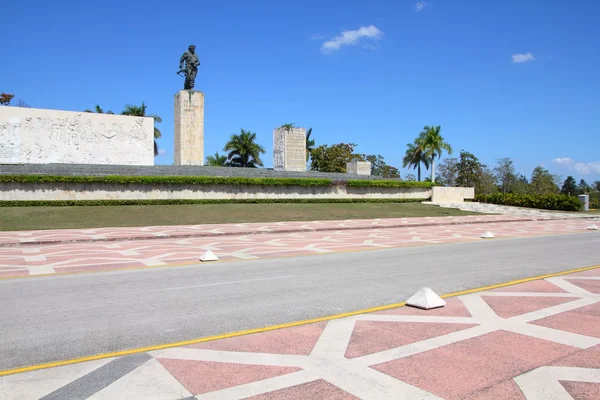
x: 589, y: 285
x: 298, y: 340
x: 484, y: 345
x: 374, y: 336
x: 48, y: 236
x: 263, y: 241
x: 533, y: 286
x: 201, y: 377
x: 507, y: 307
x: 474, y: 364
x: 319, y: 389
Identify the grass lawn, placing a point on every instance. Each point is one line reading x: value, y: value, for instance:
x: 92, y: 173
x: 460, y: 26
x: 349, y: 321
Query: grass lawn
x: 30, y: 218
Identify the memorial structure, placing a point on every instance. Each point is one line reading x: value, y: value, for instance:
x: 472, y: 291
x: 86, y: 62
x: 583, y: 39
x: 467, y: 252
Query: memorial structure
x: 42, y: 136
x: 289, y: 149
x: 189, y: 114
x: 358, y: 168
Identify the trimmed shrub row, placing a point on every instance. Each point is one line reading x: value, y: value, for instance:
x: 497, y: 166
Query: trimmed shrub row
x: 207, y: 180
x: 546, y: 202
x: 163, y: 180
x: 69, y: 203
x: 388, y: 184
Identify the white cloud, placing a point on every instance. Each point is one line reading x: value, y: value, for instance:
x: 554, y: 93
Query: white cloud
x: 522, y: 58
x: 349, y: 38
x: 162, y: 152
x: 589, y: 168
x: 563, y: 161
x: 420, y: 5
x: 582, y: 168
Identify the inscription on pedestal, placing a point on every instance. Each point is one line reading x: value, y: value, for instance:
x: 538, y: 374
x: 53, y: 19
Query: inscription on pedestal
x: 289, y: 149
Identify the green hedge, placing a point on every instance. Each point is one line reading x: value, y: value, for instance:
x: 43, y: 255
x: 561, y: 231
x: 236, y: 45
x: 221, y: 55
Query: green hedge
x: 207, y: 180
x: 388, y: 184
x: 546, y: 202
x: 69, y: 203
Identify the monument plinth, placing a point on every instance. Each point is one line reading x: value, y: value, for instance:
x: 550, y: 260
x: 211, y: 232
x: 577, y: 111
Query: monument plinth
x: 289, y: 149
x: 189, y: 127
x: 358, y: 168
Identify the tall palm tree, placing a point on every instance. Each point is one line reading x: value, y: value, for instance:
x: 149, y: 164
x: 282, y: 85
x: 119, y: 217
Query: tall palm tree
x: 310, y: 143
x: 243, y: 150
x: 140, y: 111
x: 434, y: 145
x: 218, y: 160
x: 414, y: 156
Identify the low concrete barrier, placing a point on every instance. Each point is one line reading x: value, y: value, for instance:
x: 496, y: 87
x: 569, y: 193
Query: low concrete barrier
x: 445, y: 195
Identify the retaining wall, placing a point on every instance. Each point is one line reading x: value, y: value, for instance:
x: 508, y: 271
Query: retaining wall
x: 102, y: 191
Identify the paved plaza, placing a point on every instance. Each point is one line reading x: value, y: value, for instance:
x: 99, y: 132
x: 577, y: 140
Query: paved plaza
x: 64, y: 251
x: 534, y: 340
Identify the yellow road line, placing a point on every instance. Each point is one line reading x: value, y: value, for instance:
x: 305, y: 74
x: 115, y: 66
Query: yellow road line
x: 273, y: 327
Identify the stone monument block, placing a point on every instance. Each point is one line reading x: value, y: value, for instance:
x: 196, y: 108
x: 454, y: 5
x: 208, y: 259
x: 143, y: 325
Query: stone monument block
x: 189, y: 128
x: 584, y: 199
x: 289, y: 149
x: 44, y: 136
x: 358, y: 168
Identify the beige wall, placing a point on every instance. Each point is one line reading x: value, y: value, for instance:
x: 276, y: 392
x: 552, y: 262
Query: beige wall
x: 78, y: 191
x: 441, y: 195
x: 40, y: 136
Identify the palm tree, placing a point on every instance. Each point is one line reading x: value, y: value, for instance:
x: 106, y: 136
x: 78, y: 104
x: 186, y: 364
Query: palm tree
x: 243, y: 150
x: 217, y: 160
x: 434, y: 145
x: 310, y: 143
x: 141, y: 112
x: 99, y: 110
x: 414, y: 156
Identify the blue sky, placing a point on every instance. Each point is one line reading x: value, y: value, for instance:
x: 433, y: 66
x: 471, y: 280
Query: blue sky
x: 510, y: 78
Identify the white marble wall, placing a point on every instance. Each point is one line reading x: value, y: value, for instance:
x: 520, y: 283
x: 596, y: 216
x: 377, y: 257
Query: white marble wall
x: 41, y: 136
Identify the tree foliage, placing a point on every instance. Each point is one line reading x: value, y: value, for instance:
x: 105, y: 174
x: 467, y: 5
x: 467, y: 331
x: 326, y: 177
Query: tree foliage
x: 447, y: 174
x: 569, y: 186
x: 583, y: 187
x: 98, y: 110
x: 505, y: 174
x: 469, y: 170
x: 378, y: 166
x: 415, y: 155
x: 310, y: 143
x: 243, y: 151
x: 434, y: 146
x: 217, y: 160
x: 543, y: 182
x: 5, y: 98
x: 325, y: 158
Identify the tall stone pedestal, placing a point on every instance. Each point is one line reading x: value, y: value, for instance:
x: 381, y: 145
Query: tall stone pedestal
x: 289, y: 149
x: 189, y: 128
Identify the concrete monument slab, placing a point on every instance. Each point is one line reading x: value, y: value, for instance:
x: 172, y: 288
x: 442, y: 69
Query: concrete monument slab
x: 189, y: 128
x: 358, y: 168
x: 289, y: 149
x: 45, y: 136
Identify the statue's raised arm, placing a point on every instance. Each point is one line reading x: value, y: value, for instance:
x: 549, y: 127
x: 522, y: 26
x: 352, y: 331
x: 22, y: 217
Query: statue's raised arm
x: 191, y: 60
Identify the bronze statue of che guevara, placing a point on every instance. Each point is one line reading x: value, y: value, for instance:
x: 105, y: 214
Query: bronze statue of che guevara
x: 191, y: 67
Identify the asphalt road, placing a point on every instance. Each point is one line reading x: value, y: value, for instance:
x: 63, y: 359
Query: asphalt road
x: 54, y: 318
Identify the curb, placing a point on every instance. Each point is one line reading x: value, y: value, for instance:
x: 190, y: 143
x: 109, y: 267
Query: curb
x: 263, y: 232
